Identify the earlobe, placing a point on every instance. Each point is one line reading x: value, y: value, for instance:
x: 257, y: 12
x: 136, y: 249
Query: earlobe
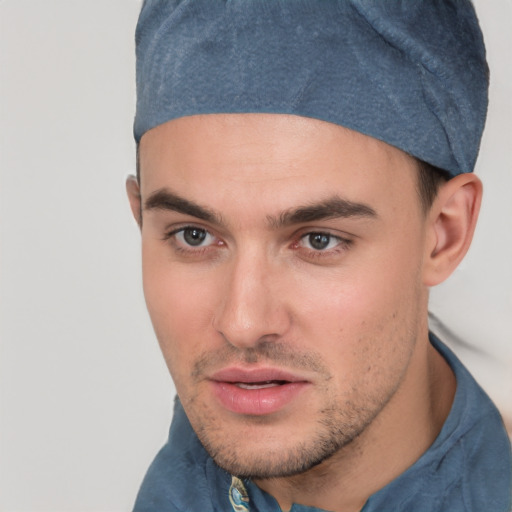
x: 451, y: 225
x: 133, y: 191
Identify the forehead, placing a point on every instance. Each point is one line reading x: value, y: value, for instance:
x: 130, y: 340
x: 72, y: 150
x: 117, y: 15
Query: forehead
x: 272, y: 160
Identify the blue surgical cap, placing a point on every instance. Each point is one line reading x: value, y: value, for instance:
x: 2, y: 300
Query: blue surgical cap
x: 411, y: 73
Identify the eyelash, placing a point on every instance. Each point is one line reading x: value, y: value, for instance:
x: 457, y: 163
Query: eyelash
x: 342, y: 243
x: 182, y: 248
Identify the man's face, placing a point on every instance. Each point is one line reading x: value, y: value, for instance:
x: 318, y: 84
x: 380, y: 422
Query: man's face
x: 282, y: 265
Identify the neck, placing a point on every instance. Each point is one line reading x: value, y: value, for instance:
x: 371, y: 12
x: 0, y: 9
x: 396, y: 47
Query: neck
x: 395, y: 439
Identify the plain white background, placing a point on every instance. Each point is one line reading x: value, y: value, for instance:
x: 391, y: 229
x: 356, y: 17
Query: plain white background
x: 85, y: 395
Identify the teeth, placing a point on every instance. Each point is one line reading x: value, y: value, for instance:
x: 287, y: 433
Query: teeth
x: 258, y: 385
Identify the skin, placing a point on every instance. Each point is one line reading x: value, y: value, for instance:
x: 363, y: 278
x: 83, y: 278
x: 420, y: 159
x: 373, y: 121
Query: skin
x: 350, y: 320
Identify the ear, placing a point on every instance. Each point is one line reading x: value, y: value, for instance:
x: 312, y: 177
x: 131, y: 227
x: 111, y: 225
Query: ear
x: 451, y: 225
x: 133, y: 191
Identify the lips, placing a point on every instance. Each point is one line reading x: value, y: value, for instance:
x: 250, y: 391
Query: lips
x: 256, y: 392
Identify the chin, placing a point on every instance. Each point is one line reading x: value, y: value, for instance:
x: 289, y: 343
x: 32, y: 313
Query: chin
x: 276, y: 456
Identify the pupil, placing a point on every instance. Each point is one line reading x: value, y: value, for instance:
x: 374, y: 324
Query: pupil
x: 194, y: 236
x: 319, y: 240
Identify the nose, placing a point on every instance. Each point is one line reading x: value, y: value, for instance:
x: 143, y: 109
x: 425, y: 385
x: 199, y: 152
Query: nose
x: 253, y: 304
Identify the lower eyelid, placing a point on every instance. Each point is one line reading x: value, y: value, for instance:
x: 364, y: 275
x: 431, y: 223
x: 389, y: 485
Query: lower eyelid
x: 180, y: 246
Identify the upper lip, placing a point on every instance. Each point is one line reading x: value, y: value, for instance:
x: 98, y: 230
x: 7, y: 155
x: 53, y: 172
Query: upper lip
x: 234, y: 374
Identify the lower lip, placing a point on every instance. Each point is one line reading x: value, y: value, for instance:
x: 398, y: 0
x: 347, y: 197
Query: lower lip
x: 257, y: 402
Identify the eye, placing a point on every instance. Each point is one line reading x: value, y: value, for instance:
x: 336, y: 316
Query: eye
x: 193, y: 237
x: 320, y: 241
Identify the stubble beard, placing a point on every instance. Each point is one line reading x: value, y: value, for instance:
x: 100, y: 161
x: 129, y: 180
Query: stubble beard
x: 338, y: 424
x: 331, y: 435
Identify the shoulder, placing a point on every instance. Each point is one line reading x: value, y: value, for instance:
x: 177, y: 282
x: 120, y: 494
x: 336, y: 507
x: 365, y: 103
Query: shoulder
x: 468, y: 468
x: 472, y: 452
x: 177, y: 480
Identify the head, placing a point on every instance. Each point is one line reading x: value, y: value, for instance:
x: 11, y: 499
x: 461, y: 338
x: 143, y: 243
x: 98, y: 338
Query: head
x: 288, y: 252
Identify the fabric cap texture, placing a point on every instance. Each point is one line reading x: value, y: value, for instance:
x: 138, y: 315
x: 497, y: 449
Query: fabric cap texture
x: 410, y: 73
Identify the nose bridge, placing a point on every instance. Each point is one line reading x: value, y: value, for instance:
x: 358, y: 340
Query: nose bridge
x: 250, y: 308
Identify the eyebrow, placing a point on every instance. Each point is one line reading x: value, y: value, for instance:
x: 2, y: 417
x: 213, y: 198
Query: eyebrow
x: 331, y: 208
x: 165, y: 200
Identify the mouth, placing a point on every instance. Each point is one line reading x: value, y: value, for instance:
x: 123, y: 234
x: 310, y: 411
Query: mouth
x: 260, y: 385
x: 256, y: 392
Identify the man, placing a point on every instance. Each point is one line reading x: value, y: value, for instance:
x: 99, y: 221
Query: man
x: 304, y: 179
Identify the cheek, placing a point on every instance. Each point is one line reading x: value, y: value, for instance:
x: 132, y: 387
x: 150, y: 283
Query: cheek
x: 179, y: 302
x: 367, y: 310
x: 361, y: 291
x: 366, y: 334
